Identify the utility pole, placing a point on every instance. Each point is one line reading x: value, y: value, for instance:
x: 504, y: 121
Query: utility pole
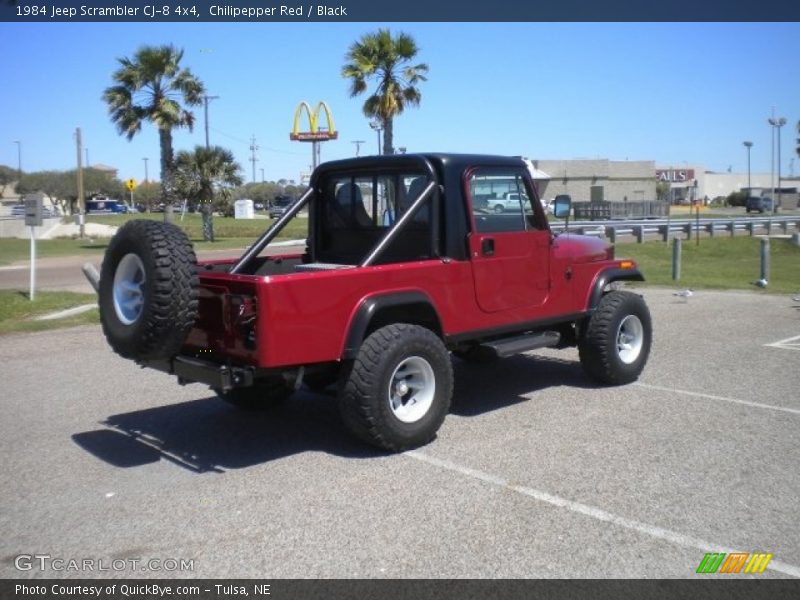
x: 262, y: 175
x: 145, y: 159
x: 81, y: 199
x: 87, y: 157
x: 378, y: 127
x: 358, y: 145
x: 253, y: 158
x: 205, y: 108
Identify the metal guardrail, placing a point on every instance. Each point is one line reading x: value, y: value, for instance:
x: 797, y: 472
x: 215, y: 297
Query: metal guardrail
x: 664, y: 228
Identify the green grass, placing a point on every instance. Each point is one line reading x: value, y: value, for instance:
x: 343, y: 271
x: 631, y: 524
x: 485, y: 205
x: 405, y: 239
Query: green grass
x: 229, y: 233
x: 224, y: 227
x: 12, y: 250
x: 721, y: 263
x: 17, y: 311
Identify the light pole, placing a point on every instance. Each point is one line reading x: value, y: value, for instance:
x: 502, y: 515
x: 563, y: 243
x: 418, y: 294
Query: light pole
x: 19, y: 158
x: 145, y: 159
x: 748, y: 145
x: 776, y: 123
x: 376, y: 125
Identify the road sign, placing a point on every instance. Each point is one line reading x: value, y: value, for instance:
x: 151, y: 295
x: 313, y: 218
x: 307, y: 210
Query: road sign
x: 130, y: 184
x: 33, y: 210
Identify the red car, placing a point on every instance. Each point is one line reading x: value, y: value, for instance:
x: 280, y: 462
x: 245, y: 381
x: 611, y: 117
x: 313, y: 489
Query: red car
x: 401, y: 269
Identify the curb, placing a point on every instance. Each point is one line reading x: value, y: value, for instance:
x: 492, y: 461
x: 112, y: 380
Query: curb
x: 66, y: 313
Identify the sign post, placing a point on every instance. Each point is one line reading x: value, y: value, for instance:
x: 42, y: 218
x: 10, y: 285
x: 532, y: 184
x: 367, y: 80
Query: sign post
x: 131, y: 185
x: 33, y: 218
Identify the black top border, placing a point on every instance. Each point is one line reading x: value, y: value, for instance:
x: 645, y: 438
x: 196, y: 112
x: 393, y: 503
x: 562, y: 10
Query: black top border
x: 297, y: 11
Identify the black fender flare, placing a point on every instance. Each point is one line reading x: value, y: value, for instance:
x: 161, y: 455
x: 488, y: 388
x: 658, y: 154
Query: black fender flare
x: 371, y: 306
x: 608, y: 276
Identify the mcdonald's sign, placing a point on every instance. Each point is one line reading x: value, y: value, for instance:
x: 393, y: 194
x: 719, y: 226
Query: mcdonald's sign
x: 719, y: 562
x: 314, y: 133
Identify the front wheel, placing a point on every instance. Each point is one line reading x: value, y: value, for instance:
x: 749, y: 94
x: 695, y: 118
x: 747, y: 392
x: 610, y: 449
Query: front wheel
x: 398, y: 391
x: 616, y: 341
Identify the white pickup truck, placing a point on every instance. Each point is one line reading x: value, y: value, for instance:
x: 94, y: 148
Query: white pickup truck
x: 508, y: 201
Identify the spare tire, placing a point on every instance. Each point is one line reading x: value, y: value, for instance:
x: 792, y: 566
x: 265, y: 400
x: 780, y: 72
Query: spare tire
x: 148, y: 290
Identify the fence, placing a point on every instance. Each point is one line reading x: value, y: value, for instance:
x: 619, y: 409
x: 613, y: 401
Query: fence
x: 665, y: 228
x: 595, y: 211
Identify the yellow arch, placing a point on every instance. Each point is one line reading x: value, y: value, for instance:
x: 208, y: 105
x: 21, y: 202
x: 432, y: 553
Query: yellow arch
x: 313, y: 120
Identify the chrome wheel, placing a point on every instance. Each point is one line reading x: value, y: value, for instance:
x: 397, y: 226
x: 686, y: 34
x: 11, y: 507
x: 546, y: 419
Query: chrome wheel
x: 128, y: 289
x: 630, y: 338
x: 412, y: 387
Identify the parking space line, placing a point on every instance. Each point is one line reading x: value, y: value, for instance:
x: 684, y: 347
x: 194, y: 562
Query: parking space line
x: 659, y: 388
x: 792, y: 343
x: 593, y: 512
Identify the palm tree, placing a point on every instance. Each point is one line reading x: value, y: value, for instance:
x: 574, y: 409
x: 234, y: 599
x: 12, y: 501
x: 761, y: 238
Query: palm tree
x: 386, y: 59
x: 150, y: 87
x: 205, y: 175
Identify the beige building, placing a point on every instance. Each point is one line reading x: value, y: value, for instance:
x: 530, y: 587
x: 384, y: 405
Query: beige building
x: 597, y: 180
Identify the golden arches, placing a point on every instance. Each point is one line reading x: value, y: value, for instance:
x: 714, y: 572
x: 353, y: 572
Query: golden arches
x: 313, y: 134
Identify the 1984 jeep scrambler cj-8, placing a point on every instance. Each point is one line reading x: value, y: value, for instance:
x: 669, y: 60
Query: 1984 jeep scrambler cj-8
x: 401, y: 267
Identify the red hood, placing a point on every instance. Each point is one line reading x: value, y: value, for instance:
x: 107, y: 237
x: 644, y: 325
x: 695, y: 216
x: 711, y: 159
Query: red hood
x: 582, y: 248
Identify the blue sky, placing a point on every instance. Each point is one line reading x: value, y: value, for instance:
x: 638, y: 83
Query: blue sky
x: 674, y: 93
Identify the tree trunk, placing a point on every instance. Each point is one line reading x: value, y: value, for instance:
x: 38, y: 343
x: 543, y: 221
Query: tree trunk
x: 167, y: 173
x: 388, y: 136
x: 208, y: 221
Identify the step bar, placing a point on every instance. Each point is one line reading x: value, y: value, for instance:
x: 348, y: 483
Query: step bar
x: 522, y: 343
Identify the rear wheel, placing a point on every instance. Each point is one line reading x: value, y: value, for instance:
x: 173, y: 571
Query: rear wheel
x: 398, y: 391
x: 262, y: 395
x: 616, y: 342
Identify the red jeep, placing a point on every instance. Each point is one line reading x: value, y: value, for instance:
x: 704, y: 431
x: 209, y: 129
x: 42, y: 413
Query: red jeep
x: 402, y: 266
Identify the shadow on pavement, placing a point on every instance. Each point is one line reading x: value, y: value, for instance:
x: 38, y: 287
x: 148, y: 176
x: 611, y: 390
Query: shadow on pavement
x: 481, y: 388
x: 207, y: 435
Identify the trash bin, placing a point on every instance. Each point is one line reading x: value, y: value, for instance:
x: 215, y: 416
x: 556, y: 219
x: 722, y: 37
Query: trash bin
x: 79, y: 218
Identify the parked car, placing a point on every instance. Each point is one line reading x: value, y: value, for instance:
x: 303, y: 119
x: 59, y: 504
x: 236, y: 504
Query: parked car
x: 279, y: 206
x: 759, y: 203
x: 106, y: 206
x: 508, y: 201
x: 48, y: 212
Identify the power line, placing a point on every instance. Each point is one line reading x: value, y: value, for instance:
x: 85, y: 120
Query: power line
x: 246, y: 143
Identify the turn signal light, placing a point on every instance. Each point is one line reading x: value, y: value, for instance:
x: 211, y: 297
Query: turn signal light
x: 627, y: 264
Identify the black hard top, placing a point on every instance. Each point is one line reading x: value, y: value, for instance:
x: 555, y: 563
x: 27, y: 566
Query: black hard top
x: 441, y: 161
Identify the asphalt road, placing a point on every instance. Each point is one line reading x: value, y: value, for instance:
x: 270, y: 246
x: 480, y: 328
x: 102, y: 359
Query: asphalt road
x: 63, y: 273
x: 536, y: 471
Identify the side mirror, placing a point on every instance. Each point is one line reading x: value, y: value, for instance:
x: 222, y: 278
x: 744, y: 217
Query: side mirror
x: 562, y: 206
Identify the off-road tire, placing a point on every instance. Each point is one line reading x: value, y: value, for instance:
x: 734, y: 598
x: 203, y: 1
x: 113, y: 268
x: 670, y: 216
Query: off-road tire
x: 365, y: 401
x: 602, y: 345
x: 264, y: 394
x: 168, y: 291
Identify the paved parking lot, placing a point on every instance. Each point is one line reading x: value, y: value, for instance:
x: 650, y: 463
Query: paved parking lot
x: 536, y: 472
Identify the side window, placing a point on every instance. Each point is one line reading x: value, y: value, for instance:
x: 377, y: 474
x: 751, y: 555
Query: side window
x: 500, y: 201
x: 360, y: 201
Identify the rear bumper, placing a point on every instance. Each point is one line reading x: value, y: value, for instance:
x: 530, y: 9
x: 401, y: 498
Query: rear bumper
x: 194, y: 370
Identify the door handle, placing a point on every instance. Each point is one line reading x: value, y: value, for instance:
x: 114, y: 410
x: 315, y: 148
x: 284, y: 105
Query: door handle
x: 487, y: 247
